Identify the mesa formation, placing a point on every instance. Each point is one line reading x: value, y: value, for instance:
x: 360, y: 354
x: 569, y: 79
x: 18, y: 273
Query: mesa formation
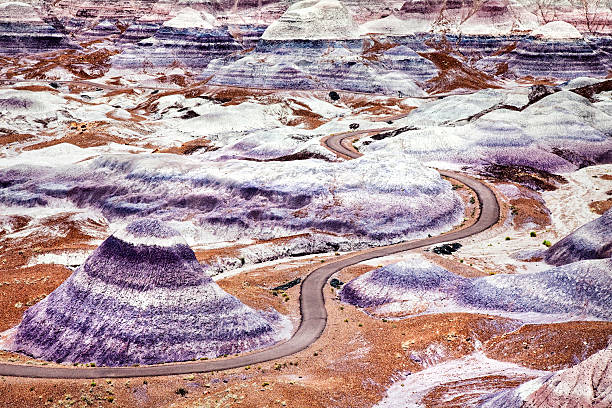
x: 317, y: 203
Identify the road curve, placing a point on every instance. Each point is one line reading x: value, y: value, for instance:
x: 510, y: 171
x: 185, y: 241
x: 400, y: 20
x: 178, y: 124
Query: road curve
x: 312, y: 302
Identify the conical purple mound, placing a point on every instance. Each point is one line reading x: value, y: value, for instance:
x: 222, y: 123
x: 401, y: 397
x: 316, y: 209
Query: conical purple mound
x: 142, y: 298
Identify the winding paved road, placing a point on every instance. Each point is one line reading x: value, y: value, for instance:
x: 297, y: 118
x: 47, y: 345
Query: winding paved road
x: 312, y: 302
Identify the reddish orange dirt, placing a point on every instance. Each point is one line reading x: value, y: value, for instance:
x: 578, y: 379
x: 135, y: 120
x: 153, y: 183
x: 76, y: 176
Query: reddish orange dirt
x: 527, y: 210
x: 81, y: 63
x: 460, y: 394
x: 550, y: 346
x: 505, y: 49
x: 35, y: 88
x: 115, y: 92
x: 180, y: 80
x: 21, y: 288
x: 388, y: 106
x: 374, y: 48
x: 451, y: 264
x: 90, y: 134
x: 600, y: 207
x: 537, y: 81
x: 6, y: 139
x: 304, y: 117
x: 372, y: 354
x: 455, y: 74
x: 51, y: 234
x: 189, y: 147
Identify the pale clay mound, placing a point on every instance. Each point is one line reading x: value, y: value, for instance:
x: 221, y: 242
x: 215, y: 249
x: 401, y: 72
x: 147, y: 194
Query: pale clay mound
x: 190, y: 18
x: 417, y: 286
x: 557, y: 30
x: 237, y: 199
x: 313, y: 20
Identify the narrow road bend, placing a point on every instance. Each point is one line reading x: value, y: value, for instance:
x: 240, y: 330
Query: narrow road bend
x: 312, y: 301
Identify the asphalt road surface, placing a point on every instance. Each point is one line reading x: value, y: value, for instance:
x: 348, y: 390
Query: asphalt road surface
x: 312, y: 302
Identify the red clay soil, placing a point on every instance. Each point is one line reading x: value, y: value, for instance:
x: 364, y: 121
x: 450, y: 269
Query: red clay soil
x: 189, y: 147
x: 388, y: 113
x: 94, y: 134
x: 361, y: 104
x: 21, y: 288
x: 51, y: 234
x: 115, y: 92
x: 455, y: 74
x: 81, y: 63
x: 550, y: 346
x: 600, y: 207
x: 538, y: 81
x: 234, y: 95
x: 6, y: 139
x: 506, y: 49
x: 528, y: 210
x: 452, y: 264
x: 373, y: 49
x: 35, y: 88
x: 180, y: 80
x: 305, y: 118
x: 467, y: 393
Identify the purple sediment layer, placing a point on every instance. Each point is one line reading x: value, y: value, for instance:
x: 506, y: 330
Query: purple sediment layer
x: 134, y: 303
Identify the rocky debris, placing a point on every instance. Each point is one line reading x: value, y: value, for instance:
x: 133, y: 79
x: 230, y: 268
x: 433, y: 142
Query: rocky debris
x: 288, y: 285
x: 446, y: 249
